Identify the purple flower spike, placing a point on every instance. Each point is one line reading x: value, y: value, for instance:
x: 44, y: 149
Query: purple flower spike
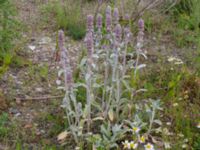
x: 108, y: 23
x: 69, y: 79
x: 118, y: 32
x: 61, y: 37
x: 90, y: 23
x: 141, y: 24
x: 100, y: 1
x: 99, y: 21
x: 108, y: 10
x: 127, y: 17
x: 127, y: 35
x: 108, y: 19
x: 140, y: 37
x: 116, y: 15
x: 90, y: 44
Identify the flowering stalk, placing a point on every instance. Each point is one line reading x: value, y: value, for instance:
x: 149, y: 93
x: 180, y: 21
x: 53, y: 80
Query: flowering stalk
x: 107, y: 49
x: 88, y: 77
x: 98, y: 36
x: 65, y: 61
x: 108, y: 19
x: 116, y: 68
x: 117, y: 41
x: 90, y: 23
x: 127, y: 40
x: 116, y: 16
x: 73, y: 109
x: 139, y: 44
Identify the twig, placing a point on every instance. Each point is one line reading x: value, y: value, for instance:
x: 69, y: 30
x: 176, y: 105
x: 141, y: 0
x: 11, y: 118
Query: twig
x: 136, y: 7
x: 39, y: 98
x: 150, y: 5
x: 171, y: 6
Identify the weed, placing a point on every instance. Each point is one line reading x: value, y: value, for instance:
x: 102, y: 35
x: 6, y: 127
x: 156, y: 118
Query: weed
x: 186, y: 15
x: 4, y: 129
x: 68, y: 16
x: 8, y: 32
x: 43, y: 71
x: 197, y: 142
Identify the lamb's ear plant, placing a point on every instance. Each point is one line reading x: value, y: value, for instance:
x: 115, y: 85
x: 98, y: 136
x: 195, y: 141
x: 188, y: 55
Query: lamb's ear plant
x: 105, y: 73
x: 112, y: 52
x: 108, y: 137
x: 73, y: 108
x: 141, y: 126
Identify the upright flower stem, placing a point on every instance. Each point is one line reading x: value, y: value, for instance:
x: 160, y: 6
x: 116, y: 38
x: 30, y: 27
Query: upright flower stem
x: 68, y: 109
x: 118, y: 96
x: 116, y: 69
x: 88, y: 83
x: 107, y: 64
x: 124, y: 61
x: 69, y: 100
x: 88, y: 77
x: 127, y: 39
x: 151, y: 120
x: 136, y: 64
x: 139, y: 44
x: 105, y: 81
x: 107, y: 93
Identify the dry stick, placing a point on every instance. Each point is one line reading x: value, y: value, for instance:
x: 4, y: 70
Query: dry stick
x: 171, y: 6
x: 136, y: 7
x: 148, y: 6
x: 39, y: 98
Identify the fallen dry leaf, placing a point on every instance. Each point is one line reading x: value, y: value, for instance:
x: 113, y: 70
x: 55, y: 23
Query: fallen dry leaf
x: 111, y: 115
x: 28, y: 126
x: 63, y: 135
x: 98, y: 118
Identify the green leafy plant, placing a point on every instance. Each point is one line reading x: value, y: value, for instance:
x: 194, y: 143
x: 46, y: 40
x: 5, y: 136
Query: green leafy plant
x: 108, y: 137
x: 144, y: 125
x: 141, y: 128
x: 8, y: 33
x: 3, y: 124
